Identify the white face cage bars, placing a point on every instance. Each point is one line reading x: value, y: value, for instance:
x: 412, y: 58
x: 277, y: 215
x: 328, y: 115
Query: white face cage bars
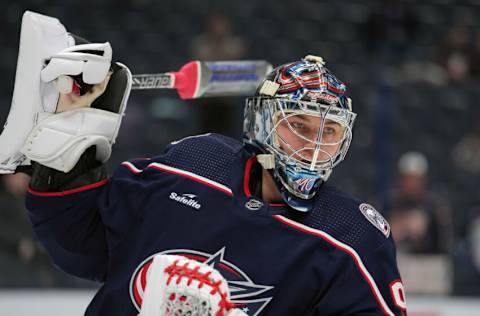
x: 311, y: 135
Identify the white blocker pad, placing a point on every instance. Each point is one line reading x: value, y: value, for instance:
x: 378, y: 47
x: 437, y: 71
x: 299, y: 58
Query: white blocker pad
x: 74, y: 61
x: 40, y: 37
x: 59, y: 140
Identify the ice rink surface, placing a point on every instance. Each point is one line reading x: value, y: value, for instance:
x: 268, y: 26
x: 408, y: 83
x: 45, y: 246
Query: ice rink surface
x: 73, y: 302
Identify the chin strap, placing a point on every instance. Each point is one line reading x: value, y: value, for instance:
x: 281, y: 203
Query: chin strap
x: 308, y: 186
x: 266, y: 160
x: 296, y: 203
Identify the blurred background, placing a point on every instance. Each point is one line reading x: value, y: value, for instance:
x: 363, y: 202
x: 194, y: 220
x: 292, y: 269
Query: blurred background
x: 411, y: 67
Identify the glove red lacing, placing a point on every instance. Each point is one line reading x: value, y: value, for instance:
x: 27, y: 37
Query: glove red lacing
x: 182, y: 271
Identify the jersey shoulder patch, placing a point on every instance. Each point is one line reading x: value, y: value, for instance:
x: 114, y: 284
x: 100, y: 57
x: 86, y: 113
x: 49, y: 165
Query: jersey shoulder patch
x: 375, y: 218
x: 340, y: 215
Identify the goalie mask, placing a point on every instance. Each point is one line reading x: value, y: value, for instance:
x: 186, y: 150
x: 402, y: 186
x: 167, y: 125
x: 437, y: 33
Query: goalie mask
x: 302, y: 121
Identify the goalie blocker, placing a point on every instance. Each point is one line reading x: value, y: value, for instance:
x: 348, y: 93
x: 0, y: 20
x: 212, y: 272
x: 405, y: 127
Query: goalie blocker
x: 92, y: 105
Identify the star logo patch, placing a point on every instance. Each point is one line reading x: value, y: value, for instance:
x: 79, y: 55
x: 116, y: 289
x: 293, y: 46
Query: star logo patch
x: 375, y: 218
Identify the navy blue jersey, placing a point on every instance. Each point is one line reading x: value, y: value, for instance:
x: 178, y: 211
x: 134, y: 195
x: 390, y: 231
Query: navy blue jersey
x: 194, y: 200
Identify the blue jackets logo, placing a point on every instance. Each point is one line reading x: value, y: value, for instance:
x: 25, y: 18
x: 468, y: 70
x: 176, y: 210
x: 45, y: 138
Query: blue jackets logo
x: 375, y: 218
x: 186, y: 198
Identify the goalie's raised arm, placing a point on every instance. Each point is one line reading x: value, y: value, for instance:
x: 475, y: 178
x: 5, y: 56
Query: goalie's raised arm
x: 67, y: 106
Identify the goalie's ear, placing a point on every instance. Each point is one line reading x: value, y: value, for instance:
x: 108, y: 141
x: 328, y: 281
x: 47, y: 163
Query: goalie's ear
x: 116, y: 94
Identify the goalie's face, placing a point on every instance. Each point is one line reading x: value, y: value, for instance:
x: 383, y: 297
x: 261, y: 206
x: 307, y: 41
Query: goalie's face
x: 312, y: 140
x: 308, y: 138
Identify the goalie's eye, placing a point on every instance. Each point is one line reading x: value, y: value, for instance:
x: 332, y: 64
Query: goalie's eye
x: 298, y: 126
x: 299, y: 123
x: 332, y: 132
x: 329, y: 130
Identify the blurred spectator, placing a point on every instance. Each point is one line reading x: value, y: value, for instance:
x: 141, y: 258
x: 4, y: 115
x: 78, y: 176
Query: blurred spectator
x: 454, y: 53
x: 17, y: 247
x: 475, y: 57
x: 466, y: 257
x: 419, y: 218
x: 218, y: 41
x: 466, y: 154
x: 391, y: 31
x: 23, y: 261
x: 15, y: 232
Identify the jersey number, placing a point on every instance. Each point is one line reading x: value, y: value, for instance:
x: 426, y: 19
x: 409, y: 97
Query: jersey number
x: 398, y: 294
